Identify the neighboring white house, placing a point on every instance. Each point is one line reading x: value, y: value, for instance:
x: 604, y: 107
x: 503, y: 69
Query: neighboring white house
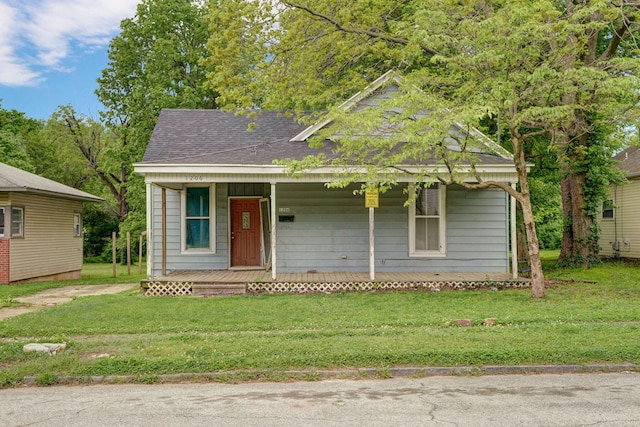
x: 620, y: 214
x: 40, y: 227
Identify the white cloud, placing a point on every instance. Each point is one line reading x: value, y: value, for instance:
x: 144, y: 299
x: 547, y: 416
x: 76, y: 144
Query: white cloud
x: 36, y: 36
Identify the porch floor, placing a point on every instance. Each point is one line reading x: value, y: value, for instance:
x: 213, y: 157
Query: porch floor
x: 262, y: 276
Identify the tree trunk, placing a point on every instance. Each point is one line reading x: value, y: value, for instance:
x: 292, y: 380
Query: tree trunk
x: 521, y: 239
x: 537, y: 275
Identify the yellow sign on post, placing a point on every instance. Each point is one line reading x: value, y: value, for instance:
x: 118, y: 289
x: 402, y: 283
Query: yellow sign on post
x: 371, y: 198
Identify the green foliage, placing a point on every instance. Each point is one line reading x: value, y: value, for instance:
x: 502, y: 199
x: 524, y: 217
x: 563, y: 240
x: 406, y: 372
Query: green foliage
x: 547, y: 203
x: 16, y: 134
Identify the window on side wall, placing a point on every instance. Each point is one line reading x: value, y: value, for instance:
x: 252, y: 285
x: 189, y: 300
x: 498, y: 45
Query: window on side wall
x: 77, y: 224
x: 608, y: 209
x: 426, y: 222
x: 198, y: 225
x: 2, y: 221
x: 17, y: 222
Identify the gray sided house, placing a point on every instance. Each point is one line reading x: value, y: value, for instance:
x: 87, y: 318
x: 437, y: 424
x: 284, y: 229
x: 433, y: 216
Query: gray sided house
x: 40, y: 227
x: 619, y: 218
x: 217, y: 201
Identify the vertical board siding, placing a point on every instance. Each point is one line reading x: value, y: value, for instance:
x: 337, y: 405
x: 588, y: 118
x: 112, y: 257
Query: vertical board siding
x: 176, y: 259
x: 625, y: 226
x: 49, y: 246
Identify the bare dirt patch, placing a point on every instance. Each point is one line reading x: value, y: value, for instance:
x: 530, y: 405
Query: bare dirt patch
x: 52, y: 297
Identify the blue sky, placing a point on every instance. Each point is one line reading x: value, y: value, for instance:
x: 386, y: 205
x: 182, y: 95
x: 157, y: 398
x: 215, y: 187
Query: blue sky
x: 52, y: 52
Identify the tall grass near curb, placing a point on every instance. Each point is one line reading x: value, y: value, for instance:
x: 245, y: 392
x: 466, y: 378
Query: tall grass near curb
x: 595, y: 318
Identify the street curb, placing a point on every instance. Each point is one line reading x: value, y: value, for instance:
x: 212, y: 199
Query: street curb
x: 347, y: 374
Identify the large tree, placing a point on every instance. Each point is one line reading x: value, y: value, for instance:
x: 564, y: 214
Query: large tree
x: 16, y: 133
x: 548, y: 70
x: 154, y: 63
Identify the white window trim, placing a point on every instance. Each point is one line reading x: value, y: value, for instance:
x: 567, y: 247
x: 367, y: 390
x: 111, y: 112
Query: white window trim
x: 442, y: 252
x: 613, y: 210
x: 212, y: 221
x: 21, y: 233
x: 78, y: 223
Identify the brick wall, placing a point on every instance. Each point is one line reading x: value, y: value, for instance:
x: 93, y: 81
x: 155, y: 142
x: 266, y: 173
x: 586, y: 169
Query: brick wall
x: 4, y: 261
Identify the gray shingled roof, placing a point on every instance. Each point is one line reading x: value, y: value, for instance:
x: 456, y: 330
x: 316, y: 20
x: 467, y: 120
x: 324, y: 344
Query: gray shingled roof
x: 629, y: 161
x: 214, y: 137
x: 222, y: 138
x: 16, y: 180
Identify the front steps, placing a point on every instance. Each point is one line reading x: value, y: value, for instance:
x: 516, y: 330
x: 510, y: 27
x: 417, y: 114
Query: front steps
x: 217, y: 289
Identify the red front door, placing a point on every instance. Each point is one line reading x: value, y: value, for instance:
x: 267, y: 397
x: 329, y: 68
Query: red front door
x: 245, y: 232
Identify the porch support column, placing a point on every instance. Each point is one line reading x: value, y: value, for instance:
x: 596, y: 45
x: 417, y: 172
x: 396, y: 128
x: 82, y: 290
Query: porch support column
x: 372, y: 256
x: 514, y: 237
x: 149, y: 188
x: 273, y: 231
x: 164, y: 231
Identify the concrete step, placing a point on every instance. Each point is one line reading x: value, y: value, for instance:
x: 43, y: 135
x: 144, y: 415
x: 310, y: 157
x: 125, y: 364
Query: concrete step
x: 217, y: 289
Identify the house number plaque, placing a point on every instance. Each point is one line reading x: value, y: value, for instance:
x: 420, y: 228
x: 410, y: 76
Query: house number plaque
x: 246, y: 220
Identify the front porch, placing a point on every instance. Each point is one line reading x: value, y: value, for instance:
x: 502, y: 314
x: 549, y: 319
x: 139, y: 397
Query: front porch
x: 225, y: 282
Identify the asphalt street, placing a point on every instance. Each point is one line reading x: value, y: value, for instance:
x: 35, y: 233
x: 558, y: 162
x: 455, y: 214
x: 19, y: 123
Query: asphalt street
x: 504, y: 400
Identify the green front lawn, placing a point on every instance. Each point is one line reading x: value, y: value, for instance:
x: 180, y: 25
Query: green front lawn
x: 597, y: 321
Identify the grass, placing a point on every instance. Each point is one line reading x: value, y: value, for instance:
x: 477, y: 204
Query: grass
x: 593, y: 319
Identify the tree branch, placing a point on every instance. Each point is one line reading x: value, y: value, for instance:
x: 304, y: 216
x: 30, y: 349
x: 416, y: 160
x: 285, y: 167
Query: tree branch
x: 369, y: 33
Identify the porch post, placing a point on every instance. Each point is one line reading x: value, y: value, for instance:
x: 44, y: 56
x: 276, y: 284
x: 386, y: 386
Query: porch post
x: 149, y: 223
x: 514, y: 238
x: 372, y: 257
x: 164, y: 231
x: 273, y: 231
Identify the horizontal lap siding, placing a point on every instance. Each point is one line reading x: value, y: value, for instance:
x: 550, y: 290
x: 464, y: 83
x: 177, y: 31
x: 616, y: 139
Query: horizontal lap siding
x: 625, y: 226
x: 176, y: 260
x: 49, y: 246
x: 331, y: 231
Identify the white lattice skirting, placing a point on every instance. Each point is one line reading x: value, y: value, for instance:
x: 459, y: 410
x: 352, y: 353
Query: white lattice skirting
x: 330, y: 287
x: 175, y: 288
x: 168, y: 289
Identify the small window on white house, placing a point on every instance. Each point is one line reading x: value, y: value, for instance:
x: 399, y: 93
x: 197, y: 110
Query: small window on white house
x: 1, y: 221
x: 426, y: 222
x: 17, y: 222
x: 198, y: 225
x: 607, y: 209
x: 77, y: 224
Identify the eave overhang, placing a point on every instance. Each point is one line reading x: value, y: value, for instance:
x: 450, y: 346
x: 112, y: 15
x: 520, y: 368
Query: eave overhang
x: 194, y: 173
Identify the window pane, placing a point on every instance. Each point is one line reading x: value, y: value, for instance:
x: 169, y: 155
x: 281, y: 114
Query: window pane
x: 197, y: 201
x: 1, y: 221
x: 421, y: 234
x: 16, y: 221
x: 607, y: 209
x: 197, y: 233
x: 428, y: 201
x: 77, y: 221
x: 433, y: 234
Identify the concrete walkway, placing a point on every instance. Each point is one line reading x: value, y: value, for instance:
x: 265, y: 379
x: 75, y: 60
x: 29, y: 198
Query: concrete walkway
x: 53, y: 297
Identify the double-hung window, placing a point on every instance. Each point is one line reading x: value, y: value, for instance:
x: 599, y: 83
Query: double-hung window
x: 608, y: 211
x: 427, y: 222
x: 198, y: 225
x: 17, y: 222
x: 2, y: 210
